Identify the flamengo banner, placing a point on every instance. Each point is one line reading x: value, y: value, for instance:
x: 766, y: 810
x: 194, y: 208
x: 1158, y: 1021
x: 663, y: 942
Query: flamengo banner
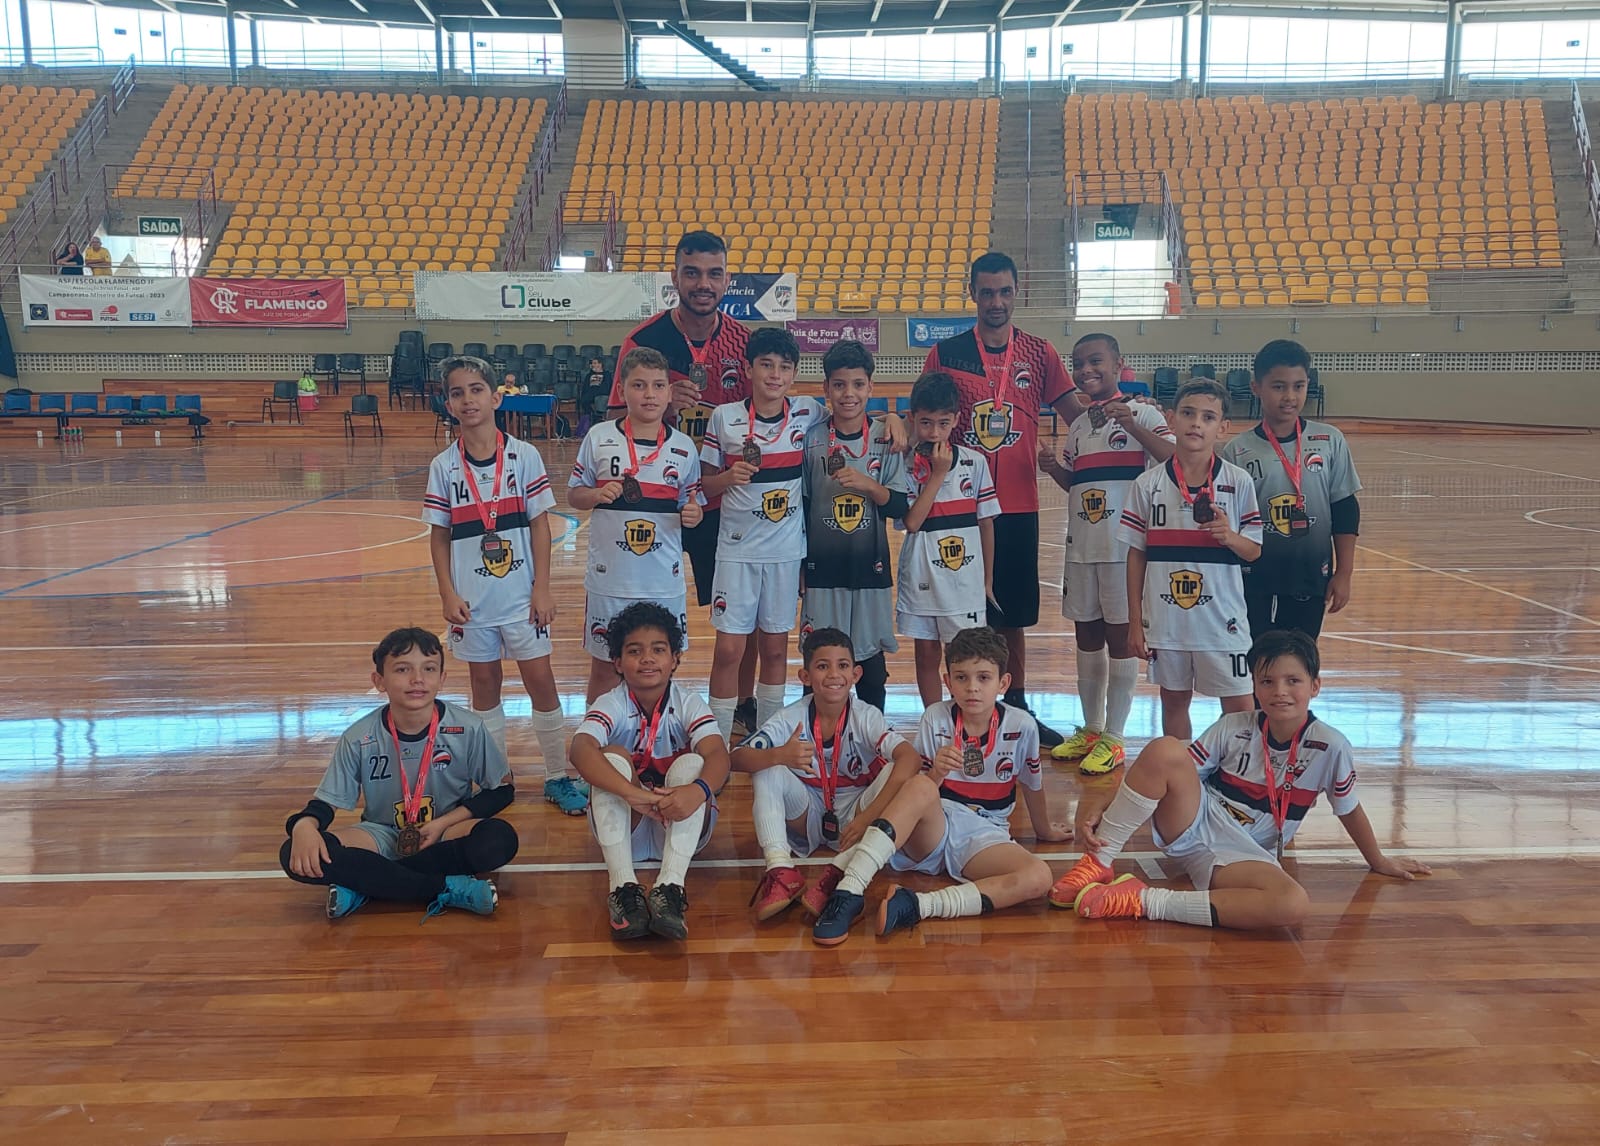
x: 537, y: 296
x: 104, y: 300
x: 816, y: 335
x: 750, y: 298
x: 268, y: 302
x: 931, y: 331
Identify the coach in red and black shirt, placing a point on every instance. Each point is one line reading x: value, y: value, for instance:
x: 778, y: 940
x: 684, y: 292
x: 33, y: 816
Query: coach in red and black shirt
x: 1006, y: 377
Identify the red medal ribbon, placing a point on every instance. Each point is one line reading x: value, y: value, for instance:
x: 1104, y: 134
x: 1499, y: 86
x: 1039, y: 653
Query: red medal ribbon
x: 1004, y: 380
x: 1175, y: 472
x: 644, y: 749
x: 830, y: 780
x: 1294, y: 471
x: 978, y: 741
x: 633, y: 455
x: 1278, y: 799
x: 699, y: 355
x: 411, y: 798
x: 834, y: 445
x: 492, y: 510
x: 750, y: 411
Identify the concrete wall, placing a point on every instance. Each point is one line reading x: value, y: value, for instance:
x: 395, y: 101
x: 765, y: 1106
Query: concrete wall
x: 596, y: 53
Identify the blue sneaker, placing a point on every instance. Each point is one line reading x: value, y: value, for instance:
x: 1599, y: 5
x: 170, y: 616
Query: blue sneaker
x: 571, y: 796
x: 342, y: 901
x: 466, y: 892
x: 833, y: 925
x: 899, y: 910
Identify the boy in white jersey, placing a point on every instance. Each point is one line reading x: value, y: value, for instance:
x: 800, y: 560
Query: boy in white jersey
x: 1225, y: 806
x: 430, y: 780
x: 1108, y: 445
x: 1189, y: 525
x: 947, y: 561
x: 652, y: 754
x: 823, y: 769
x: 641, y: 479
x: 752, y: 456
x: 488, y: 504
x: 954, y: 819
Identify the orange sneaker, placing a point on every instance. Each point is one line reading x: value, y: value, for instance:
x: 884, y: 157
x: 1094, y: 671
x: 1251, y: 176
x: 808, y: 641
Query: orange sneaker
x: 1087, y: 872
x: 779, y: 887
x: 816, y: 896
x: 1119, y: 899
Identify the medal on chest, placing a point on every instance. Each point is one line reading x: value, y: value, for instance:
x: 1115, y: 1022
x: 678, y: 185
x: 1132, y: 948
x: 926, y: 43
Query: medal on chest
x: 632, y: 491
x: 751, y: 453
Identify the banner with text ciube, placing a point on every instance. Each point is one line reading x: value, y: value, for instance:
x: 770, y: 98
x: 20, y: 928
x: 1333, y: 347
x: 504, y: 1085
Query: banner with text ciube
x: 268, y: 302
x: 534, y: 296
x: 104, y: 300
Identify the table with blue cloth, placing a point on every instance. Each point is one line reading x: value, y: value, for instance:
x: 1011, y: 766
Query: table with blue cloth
x: 525, y: 408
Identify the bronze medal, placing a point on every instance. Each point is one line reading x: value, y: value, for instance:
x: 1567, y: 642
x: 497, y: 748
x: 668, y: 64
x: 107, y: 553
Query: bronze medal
x: 835, y: 463
x: 924, y: 450
x: 493, y: 547
x: 751, y: 453
x: 632, y: 491
x: 830, y: 828
x: 1204, y: 511
x: 410, y: 842
x: 1299, y: 520
x: 698, y: 375
x: 972, y: 760
x: 997, y: 423
x: 1097, y: 416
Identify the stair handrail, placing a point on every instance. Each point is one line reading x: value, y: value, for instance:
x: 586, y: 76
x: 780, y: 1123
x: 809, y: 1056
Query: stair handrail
x: 515, y: 247
x: 27, y: 221
x: 1591, y: 177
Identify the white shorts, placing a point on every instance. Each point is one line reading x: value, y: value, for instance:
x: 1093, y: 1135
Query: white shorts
x: 845, y: 803
x: 750, y: 595
x: 1214, y: 840
x: 650, y: 836
x: 1095, y: 591
x: 941, y: 629
x: 1208, y: 673
x: 598, y: 611
x: 966, y: 833
x: 518, y: 641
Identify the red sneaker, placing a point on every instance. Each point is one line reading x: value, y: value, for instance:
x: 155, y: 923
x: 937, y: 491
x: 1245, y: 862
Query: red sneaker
x: 779, y: 887
x: 816, y: 896
x: 1085, y: 873
x: 1119, y: 899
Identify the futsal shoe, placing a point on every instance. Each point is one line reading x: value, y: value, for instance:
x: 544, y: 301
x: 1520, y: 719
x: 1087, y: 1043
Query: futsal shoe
x: 1105, y: 757
x: 571, y: 796
x: 667, y: 904
x: 342, y: 901
x: 467, y: 893
x: 1087, y: 872
x: 630, y: 916
x: 899, y: 910
x: 816, y: 896
x: 1076, y: 746
x: 778, y: 889
x: 1122, y: 898
x: 833, y: 925
x: 744, y: 717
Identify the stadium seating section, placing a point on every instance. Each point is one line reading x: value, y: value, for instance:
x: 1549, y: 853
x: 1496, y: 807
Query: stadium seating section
x: 874, y: 205
x: 34, y: 123
x: 365, y: 186
x: 1352, y: 201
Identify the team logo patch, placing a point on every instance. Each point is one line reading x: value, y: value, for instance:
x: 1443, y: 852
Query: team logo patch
x: 1239, y: 814
x: 797, y: 437
x: 953, y: 553
x: 1314, y: 461
x: 849, y: 512
x: 1117, y: 439
x: 1233, y: 626
x: 670, y: 474
x: 1187, y: 589
x: 965, y: 485
x: 1022, y: 375
x: 775, y: 505
x: 457, y: 634
x: 992, y: 426
x: 497, y: 559
x: 1096, y: 506
x: 1278, y: 509
x: 1005, y: 769
x: 719, y: 604
x: 598, y: 629
x: 693, y: 421
x: 424, y: 813
x: 639, y: 537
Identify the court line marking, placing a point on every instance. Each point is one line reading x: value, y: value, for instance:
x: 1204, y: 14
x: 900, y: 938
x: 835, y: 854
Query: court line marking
x: 1481, y: 585
x: 1470, y: 658
x: 1496, y: 465
x: 1533, y: 516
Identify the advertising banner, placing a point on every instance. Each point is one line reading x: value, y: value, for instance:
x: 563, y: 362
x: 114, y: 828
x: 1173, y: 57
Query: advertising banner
x: 816, y: 335
x: 534, y: 296
x: 268, y: 302
x: 750, y: 298
x: 930, y: 331
x: 106, y: 300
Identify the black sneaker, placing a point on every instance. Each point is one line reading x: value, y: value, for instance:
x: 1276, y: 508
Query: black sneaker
x: 667, y: 905
x: 833, y: 925
x: 1048, y: 737
x: 744, y: 717
x: 630, y: 915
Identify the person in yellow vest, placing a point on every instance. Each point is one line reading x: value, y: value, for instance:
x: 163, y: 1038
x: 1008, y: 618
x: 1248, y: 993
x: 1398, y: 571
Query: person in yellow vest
x: 96, y: 259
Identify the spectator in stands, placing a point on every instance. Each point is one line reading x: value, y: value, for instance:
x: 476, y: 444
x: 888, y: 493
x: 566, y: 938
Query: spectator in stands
x: 596, y: 385
x: 96, y: 259
x: 70, y: 260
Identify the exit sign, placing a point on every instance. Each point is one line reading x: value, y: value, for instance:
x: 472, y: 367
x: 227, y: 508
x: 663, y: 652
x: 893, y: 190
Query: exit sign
x: 160, y: 225
x: 1107, y: 230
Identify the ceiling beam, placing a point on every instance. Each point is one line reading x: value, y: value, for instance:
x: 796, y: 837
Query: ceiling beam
x: 1126, y: 12
x: 1065, y: 12
x: 490, y: 8
x: 876, y: 8
x: 1004, y: 8
x: 425, y: 11
x: 939, y: 15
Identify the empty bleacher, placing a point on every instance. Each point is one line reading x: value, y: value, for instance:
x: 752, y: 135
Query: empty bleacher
x: 875, y: 205
x: 1343, y: 201
x: 34, y: 123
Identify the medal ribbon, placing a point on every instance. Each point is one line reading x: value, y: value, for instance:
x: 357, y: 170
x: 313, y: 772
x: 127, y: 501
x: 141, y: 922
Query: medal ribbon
x: 489, y: 512
x: 977, y: 741
x: 750, y: 413
x: 836, y: 446
x: 411, y: 798
x: 644, y: 749
x: 699, y: 355
x: 1278, y: 799
x: 830, y: 780
x: 1176, y: 473
x: 1294, y: 471
x: 633, y: 455
x: 1004, y: 380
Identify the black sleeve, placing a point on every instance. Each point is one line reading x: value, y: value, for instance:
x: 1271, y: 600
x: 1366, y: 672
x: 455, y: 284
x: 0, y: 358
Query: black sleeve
x: 318, y: 810
x: 489, y: 801
x: 1346, y: 515
x: 897, y: 506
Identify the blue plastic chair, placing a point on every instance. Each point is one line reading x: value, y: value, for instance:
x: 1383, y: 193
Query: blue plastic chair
x: 902, y: 405
x: 18, y: 404
x: 52, y: 403
x: 187, y: 403
x: 877, y: 405
x: 119, y: 404
x: 153, y: 403
x: 1137, y: 389
x: 85, y: 404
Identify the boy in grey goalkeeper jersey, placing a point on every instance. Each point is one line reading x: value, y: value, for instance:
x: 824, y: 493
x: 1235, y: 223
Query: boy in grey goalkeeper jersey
x: 430, y: 780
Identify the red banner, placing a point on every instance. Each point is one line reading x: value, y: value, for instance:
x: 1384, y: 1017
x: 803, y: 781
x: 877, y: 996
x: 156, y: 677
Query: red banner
x: 268, y: 302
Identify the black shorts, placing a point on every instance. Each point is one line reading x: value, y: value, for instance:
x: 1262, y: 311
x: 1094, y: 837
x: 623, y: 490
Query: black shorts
x: 1016, y: 571
x: 700, y: 543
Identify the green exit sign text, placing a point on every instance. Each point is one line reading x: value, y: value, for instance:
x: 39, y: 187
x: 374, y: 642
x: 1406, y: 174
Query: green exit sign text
x: 160, y: 225
x: 1105, y: 230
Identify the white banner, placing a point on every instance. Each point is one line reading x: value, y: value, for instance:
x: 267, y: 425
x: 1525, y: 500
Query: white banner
x: 533, y: 296
x: 750, y: 297
x: 104, y: 300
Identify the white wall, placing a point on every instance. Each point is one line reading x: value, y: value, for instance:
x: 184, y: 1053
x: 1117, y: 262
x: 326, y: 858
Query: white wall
x: 596, y: 53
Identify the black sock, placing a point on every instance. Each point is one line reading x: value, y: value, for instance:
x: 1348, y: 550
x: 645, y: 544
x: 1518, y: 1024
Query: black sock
x: 988, y: 904
x: 368, y: 873
x: 490, y: 845
x: 1214, y: 922
x: 873, y: 685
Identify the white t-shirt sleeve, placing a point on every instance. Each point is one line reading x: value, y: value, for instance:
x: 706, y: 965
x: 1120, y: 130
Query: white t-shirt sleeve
x: 988, y: 500
x: 711, y: 452
x: 341, y: 783
x: 1029, y: 774
x: 698, y: 723
x: 1151, y: 418
x: 583, y: 468
x: 1343, y: 481
x: 689, y: 487
x: 1341, y: 789
x: 1207, y: 749
x: 537, y: 495
x: 1135, y: 516
x: 436, y: 501
x: 1249, y: 526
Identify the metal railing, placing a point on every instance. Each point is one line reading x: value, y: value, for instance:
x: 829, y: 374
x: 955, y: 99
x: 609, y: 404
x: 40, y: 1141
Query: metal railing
x: 592, y: 209
x: 515, y: 247
x: 196, y: 186
x: 28, y: 221
x: 1591, y: 177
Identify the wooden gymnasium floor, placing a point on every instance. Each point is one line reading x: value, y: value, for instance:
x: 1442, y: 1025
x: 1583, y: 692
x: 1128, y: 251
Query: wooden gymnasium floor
x: 187, y: 628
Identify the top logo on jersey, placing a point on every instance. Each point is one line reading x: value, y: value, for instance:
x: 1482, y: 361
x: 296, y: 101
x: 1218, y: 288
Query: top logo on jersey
x: 849, y: 512
x: 1187, y: 587
x: 693, y: 420
x: 993, y: 426
x: 498, y: 559
x: 953, y: 553
x: 1278, y: 513
x: 776, y: 505
x: 1096, y: 506
x: 639, y: 537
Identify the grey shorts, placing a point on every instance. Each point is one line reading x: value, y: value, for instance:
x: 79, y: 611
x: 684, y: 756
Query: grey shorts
x: 866, y: 614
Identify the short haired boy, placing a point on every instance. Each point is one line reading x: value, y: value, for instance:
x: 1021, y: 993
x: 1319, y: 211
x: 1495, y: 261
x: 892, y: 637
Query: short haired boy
x: 947, y: 560
x: 1189, y: 525
x: 1107, y: 446
x: 1306, y: 484
x: 641, y: 480
x: 853, y: 482
x: 751, y: 458
x: 653, y: 757
x: 431, y: 782
x: 822, y: 769
x: 954, y: 819
x: 487, y: 506
x: 1226, y: 806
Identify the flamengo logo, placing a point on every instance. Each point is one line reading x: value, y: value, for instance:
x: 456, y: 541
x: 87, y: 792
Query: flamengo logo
x: 225, y: 301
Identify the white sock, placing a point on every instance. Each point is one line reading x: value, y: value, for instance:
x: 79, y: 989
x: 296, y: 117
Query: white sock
x: 1092, y: 669
x: 769, y: 700
x: 548, y: 729
x: 950, y: 902
x: 1121, y: 681
x: 865, y: 861
x: 612, y: 820
x: 1192, y: 907
x: 722, y: 708
x: 1127, y: 811
x: 779, y: 797
x: 494, y: 723
x: 683, y: 837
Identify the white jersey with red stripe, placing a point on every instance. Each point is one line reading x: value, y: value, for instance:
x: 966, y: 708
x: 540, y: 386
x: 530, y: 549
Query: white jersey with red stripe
x: 1105, y: 463
x: 636, y: 550
x: 1193, y: 584
x: 869, y: 742
x: 616, y: 720
x: 1010, y: 757
x: 941, y: 564
x: 495, y: 579
x: 763, y: 521
x: 1229, y: 757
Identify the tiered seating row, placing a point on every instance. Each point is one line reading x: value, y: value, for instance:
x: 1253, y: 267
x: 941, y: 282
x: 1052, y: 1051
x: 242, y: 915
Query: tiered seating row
x: 34, y: 123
